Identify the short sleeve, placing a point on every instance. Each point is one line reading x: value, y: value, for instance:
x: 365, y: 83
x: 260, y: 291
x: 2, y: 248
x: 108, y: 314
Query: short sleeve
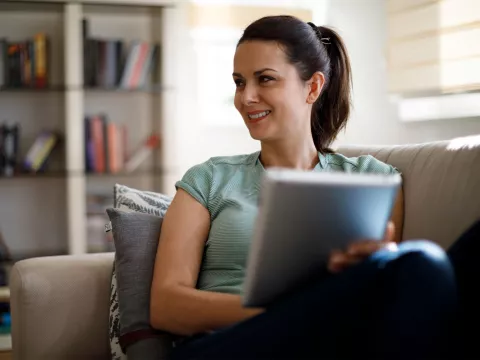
x: 197, y: 182
x: 369, y: 164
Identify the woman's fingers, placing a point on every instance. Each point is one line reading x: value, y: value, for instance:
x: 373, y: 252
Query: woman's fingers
x: 359, y: 250
x: 364, y: 248
x: 389, y: 232
x: 340, y: 260
x: 355, y: 253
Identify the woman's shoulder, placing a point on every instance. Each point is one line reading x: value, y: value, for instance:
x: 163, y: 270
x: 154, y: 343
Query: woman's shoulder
x: 205, y: 179
x: 245, y: 159
x: 225, y: 163
x: 359, y: 164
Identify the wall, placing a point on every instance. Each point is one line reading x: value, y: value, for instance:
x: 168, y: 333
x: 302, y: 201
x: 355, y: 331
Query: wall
x: 374, y: 120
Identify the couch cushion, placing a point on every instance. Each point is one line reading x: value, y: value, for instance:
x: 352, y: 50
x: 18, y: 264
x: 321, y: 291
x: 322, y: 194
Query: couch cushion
x: 59, y: 307
x: 441, y: 185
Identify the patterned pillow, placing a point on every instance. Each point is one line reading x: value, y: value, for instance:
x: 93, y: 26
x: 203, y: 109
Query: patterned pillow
x: 130, y: 199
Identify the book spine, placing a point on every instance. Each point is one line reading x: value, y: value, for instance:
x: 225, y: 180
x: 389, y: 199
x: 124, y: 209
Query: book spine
x: 143, y: 79
x: 134, y: 80
x: 120, y: 147
x: 13, y: 66
x: 3, y: 51
x: 111, y: 64
x: 40, y: 60
x: 27, y: 72
x: 2, y: 148
x: 87, y: 139
x: 10, y: 145
x: 31, y: 49
x: 97, y: 137
x: 112, y: 147
x: 105, y: 140
x: 23, y: 62
x: 119, y: 62
x: 129, y: 64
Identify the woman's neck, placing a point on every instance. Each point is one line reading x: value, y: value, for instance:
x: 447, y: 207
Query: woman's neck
x: 302, y: 156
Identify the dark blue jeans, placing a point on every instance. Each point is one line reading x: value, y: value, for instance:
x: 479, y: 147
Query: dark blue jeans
x: 410, y: 304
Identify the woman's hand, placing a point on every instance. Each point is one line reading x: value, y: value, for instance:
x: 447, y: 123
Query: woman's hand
x: 359, y: 251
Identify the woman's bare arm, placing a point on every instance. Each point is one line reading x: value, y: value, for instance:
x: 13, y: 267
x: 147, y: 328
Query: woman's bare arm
x: 175, y: 305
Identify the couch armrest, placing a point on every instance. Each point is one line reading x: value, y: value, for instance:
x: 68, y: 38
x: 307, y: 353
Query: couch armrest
x: 60, y: 307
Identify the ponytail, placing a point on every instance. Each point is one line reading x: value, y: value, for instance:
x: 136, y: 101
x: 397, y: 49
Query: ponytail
x: 332, y: 109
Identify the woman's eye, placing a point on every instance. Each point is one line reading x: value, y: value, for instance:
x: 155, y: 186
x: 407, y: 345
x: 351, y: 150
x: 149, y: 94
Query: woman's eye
x: 238, y: 82
x: 265, y: 79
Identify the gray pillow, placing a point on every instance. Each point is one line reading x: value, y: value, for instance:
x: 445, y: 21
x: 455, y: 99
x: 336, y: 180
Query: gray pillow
x: 136, y: 237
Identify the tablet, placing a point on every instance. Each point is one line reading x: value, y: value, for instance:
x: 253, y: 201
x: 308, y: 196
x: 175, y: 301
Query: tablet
x: 302, y: 217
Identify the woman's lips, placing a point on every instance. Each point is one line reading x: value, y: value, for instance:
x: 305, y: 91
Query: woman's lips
x: 256, y: 116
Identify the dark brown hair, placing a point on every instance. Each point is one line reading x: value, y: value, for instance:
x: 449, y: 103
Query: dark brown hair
x: 310, y: 48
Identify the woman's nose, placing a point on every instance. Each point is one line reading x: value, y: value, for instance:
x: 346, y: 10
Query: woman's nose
x: 250, y: 95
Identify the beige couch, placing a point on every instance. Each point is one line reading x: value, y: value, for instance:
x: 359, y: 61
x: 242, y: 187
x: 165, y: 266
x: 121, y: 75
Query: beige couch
x: 60, y: 304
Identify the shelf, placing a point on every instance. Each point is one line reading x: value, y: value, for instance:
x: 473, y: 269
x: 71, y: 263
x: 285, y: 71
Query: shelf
x: 45, y: 175
x: 65, y: 174
x: 149, y: 90
x: 15, y: 89
x: 62, y: 88
x: 125, y: 174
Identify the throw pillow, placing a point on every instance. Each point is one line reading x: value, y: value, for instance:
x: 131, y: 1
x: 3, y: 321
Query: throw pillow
x: 136, y: 239
x: 141, y: 201
x: 130, y: 199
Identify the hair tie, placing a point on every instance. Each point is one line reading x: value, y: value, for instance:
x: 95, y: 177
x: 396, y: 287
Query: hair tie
x: 323, y: 40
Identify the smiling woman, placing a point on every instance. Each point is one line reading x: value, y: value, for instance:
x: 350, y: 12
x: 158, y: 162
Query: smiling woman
x: 283, y: 77
x: 293, y: 92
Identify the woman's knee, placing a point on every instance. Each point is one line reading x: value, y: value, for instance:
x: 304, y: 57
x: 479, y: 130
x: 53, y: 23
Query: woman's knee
x: 418, y: 252
x: 425, y: 263
x: 424, y: 252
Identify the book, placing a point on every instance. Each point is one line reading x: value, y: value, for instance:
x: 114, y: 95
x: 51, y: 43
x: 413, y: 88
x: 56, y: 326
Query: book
x: 112, y: 63
x: 105, y: 144
x: 25, y: 63
x: 10, y: 139
x: 3, y: 63
x: 40, y: 151
x: 145, y: 151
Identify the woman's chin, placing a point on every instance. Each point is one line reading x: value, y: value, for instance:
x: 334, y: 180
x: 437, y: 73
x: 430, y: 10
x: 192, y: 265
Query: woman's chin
x: 257, y: 132
x: 257, y: 135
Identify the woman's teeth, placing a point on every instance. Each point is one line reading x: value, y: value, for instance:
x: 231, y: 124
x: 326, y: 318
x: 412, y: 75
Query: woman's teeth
x: 259, y: 115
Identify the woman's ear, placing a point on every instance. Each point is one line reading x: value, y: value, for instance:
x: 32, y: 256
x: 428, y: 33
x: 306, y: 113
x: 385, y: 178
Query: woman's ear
x: 315, y: 83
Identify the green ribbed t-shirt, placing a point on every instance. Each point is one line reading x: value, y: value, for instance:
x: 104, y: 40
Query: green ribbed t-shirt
x: 228, y: 187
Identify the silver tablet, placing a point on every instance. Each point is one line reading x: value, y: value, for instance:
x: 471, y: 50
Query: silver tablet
x: 302, y: 217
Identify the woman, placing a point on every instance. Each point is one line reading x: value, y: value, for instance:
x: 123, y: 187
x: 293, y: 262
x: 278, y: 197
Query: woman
x: 381, y: 301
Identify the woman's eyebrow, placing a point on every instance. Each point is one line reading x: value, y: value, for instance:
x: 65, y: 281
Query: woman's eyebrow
x: 256, y: 73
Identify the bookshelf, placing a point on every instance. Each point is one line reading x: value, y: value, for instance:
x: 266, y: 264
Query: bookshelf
x: 59, y: 210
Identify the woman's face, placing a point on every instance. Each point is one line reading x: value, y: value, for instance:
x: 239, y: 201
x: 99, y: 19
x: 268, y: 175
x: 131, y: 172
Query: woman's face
x: 271, y: 97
